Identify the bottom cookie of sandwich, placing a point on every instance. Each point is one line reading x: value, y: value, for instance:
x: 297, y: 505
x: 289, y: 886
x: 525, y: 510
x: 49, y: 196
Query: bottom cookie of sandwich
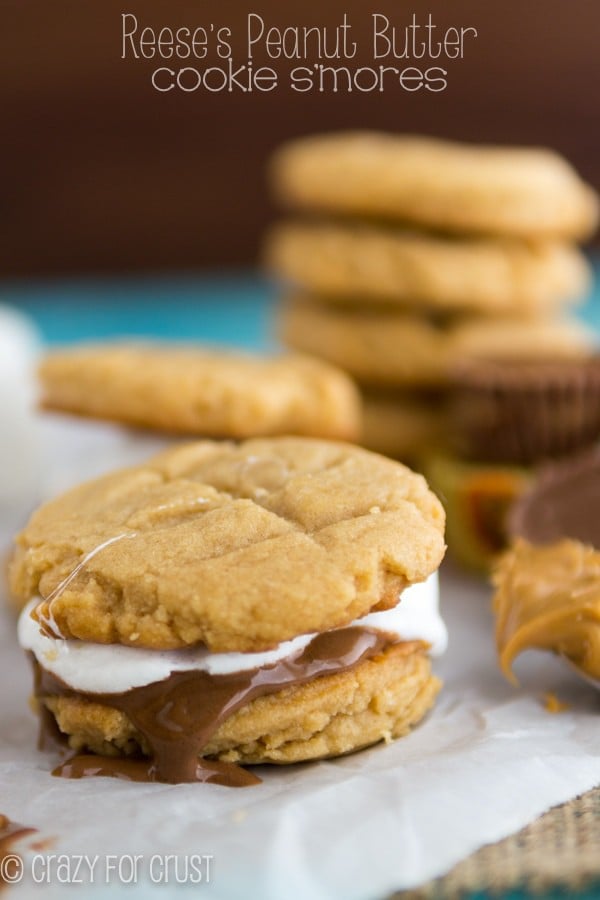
x: 197, y: 727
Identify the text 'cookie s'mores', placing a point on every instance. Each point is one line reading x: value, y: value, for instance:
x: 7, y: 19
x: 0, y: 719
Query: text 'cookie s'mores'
x: 272, y: 601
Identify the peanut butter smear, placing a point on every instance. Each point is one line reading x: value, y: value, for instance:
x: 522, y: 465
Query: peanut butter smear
x: 548, y: 598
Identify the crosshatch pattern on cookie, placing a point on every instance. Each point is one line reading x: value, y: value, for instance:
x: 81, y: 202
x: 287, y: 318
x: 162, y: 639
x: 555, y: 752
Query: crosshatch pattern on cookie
x: 240, y: 547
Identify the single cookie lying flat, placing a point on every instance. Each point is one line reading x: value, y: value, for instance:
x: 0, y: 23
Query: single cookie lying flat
x: 402, y: 349
x: 194, y: 391
x: 512, y: 191
x: 391, y: 267
x: 270, y: 601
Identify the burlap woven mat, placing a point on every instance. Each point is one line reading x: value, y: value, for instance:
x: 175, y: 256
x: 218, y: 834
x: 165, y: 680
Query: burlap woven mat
x: 559, y: 850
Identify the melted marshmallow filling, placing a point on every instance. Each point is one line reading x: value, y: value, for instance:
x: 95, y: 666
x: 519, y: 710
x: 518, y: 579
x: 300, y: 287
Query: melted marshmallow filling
x: 115, y: 668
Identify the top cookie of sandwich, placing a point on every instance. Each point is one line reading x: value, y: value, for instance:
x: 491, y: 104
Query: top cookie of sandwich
x: 196, y: 391
x: 515, y: 191
x: 240, y: 547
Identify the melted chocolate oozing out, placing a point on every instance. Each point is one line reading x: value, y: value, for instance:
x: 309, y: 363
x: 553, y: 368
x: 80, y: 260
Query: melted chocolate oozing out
x: 177, y: 716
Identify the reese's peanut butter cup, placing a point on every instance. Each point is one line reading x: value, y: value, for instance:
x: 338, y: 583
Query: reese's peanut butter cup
x: 522, y: 412
x: 562, y: 502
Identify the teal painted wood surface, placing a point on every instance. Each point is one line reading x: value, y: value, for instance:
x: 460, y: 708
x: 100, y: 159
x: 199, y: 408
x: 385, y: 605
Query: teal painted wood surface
x: 229, y: 308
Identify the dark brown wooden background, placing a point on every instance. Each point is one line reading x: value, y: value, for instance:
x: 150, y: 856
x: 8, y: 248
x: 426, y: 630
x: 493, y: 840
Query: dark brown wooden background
x: 101, y: 173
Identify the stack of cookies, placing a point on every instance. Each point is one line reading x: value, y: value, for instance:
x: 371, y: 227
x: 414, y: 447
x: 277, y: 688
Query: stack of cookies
x: 414, y: 254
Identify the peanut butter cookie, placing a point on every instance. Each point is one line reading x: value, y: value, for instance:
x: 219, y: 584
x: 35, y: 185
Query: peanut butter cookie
x: 513, y: 191
x: 381, y: 698
x: 403, y: 425
x: 240, y: 547
x: 402, y: 349
x: 373, y: 265
x: 195, y: 391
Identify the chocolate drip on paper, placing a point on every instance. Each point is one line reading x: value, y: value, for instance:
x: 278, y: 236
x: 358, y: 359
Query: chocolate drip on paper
x: 10, y: 833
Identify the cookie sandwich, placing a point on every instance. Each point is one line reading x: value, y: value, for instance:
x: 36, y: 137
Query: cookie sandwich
x: 548, y: 582
x: 268, y: 602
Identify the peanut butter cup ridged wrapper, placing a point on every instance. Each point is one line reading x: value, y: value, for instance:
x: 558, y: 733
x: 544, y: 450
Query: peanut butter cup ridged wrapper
x: 523, y: 412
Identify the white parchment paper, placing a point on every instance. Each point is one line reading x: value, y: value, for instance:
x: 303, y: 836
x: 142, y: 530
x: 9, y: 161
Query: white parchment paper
x: 486, y: 761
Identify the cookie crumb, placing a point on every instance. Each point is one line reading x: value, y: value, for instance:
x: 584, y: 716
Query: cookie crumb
x: 239, y: 816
